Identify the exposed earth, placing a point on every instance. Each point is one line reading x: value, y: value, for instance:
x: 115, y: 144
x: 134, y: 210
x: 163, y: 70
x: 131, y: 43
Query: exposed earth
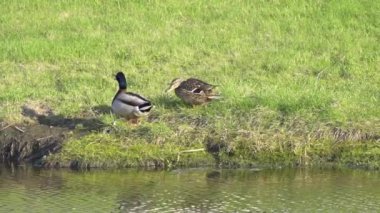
x: 43, y: 134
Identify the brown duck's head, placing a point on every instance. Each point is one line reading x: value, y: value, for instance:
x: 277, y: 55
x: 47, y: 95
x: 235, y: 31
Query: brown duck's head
x: 174, y: 84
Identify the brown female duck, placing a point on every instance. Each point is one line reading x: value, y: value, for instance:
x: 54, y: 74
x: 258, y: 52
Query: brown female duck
x: 193, y: 91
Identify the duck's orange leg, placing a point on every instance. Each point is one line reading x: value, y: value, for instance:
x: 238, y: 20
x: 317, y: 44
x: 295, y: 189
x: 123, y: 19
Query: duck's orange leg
x: 134, y: 121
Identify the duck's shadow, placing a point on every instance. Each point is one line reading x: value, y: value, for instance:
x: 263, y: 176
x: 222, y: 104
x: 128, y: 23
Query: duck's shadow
x: 168, y: 102
x: 50, y: 119
x: 102, y: 109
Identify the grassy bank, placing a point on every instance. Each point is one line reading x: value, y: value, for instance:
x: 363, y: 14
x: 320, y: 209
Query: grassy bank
x: 300, y: 79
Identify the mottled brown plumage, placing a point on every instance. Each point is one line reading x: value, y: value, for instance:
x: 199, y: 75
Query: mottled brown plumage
x: 193, y: 91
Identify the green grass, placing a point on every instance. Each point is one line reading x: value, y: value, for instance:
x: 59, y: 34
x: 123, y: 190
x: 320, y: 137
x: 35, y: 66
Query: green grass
x: 288, y: 70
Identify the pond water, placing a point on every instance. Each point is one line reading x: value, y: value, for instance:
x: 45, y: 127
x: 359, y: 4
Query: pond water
x: 189, y: 190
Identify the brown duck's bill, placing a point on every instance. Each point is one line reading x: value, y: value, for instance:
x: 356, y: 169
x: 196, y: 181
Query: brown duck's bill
x: 170, y: 88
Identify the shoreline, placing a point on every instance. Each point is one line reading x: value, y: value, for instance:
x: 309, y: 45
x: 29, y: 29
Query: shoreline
x: 44, y: 146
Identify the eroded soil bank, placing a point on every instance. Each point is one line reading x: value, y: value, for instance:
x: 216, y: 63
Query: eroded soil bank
x: 32, y: 144
x: 29, y: 144
x: 44, y: 134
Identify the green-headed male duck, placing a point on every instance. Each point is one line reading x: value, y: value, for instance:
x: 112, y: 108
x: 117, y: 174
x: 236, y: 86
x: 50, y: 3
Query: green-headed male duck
x: 193, y: 91
x: 129, y: 105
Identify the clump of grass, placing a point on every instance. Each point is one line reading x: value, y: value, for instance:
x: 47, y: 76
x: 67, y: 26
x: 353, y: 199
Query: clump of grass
x: 139, y: 147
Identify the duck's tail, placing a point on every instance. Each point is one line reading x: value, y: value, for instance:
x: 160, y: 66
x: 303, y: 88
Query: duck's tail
x: 145, y: 107
x: 214, y: 97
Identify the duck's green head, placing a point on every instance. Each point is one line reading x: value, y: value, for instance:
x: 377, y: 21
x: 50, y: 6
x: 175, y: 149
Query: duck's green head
x: 120, y: 77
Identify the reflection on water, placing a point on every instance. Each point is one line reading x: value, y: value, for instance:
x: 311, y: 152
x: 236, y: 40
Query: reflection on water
x: 190, y: 190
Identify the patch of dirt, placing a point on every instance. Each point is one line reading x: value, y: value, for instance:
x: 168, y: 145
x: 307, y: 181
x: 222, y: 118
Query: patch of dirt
x: 36, y: 109
x: 44, y: 115
x: 22, y: 143
x: 29, y: 144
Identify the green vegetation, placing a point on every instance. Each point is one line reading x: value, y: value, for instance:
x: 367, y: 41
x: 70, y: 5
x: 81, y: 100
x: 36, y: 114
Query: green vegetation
x: 300, y: 79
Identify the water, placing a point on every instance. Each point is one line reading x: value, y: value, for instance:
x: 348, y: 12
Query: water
x: 189, y: 190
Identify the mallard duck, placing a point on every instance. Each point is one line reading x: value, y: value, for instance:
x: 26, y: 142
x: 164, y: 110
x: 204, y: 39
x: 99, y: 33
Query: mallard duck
x: 129, y: 105
x: 193, y: 91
